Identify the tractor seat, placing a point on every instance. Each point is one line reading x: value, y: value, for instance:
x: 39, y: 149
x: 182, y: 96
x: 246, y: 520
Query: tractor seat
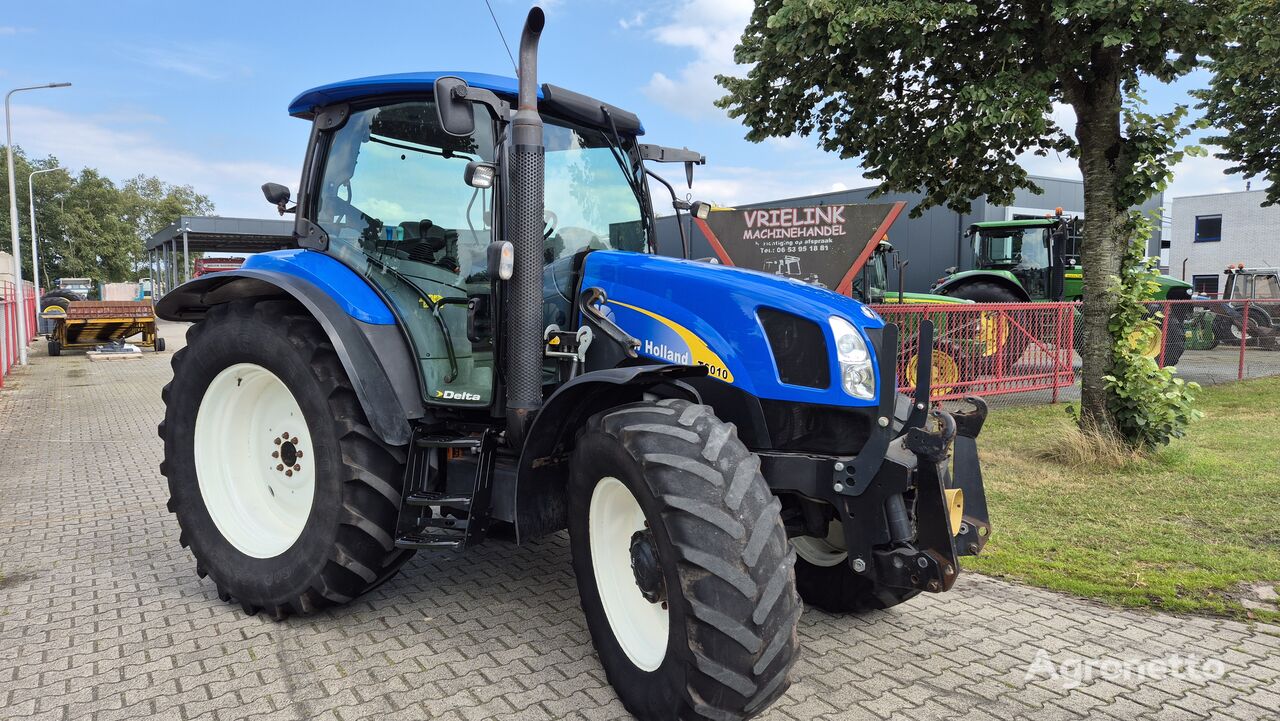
x: 426, y: 242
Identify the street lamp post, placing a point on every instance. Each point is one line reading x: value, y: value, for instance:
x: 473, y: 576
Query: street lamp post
x: 35, y: 256
x: 13, y: 218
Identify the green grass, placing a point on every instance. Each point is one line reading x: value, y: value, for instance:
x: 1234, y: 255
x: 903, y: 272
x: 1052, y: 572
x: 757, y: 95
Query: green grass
x: 1179, y: 531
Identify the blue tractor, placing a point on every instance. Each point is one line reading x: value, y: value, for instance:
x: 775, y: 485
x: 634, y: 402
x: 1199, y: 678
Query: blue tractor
x: 474, y: 340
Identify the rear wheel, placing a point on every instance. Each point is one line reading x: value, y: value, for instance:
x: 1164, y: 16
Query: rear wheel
x: 944, y: 372
x: 54, y: 304
x: 1003, y: 335
x: 825, y: 580
x: 1237, y: 333
x: 159, y: 345
x: 55, y: 348
x: 285, y: 496
x: 682, y: 563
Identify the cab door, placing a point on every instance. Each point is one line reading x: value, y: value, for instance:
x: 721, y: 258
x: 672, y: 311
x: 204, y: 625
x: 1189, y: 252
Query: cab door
x: 391, y: 196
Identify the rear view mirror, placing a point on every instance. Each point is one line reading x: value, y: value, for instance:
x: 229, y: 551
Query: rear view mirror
x: 276, y: 193
x: 452, y: 106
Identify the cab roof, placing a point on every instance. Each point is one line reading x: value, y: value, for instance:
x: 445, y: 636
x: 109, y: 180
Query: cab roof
x: 557, y: 100
x: 1024, y: 223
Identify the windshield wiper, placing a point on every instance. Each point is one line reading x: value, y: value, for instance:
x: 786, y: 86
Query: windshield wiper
x: 631, y: 174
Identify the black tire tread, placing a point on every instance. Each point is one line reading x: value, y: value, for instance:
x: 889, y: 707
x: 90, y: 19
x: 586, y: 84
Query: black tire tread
x: 711, y: 489
x: 364, y: 554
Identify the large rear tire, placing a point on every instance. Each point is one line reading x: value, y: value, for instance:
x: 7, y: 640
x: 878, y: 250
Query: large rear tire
x: 682, y: 563
x: 68, y: 294
x: 1010, y: 339
x: 259, y: 386
x: 50, y: 302
x: 825, y: 580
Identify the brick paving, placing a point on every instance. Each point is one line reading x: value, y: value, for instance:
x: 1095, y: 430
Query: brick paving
x: 102, y: 616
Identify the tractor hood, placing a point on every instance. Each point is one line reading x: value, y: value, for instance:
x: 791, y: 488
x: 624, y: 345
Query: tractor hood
x: 695, y: 313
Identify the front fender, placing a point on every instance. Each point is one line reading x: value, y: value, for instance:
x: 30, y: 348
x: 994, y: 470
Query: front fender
x: 375, y: 354
x: 540, y: 504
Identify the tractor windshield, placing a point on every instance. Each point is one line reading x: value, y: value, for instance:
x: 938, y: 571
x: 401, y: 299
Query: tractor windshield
x: 872, y: 284
x: 1008, y: 248
x: 590, y: 200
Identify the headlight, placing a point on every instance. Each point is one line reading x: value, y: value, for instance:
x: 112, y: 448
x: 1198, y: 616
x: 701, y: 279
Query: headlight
x: 856, y: 374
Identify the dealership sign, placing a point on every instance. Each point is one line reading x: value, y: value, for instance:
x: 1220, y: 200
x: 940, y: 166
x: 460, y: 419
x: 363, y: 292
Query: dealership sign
x: 824, y: 245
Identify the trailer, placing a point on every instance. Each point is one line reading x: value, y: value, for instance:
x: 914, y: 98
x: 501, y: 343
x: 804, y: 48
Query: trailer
x: 87, y: 324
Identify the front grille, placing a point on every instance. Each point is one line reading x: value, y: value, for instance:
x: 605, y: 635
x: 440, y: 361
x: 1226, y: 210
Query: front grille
x: 817, y: 429
x: 799, y: 348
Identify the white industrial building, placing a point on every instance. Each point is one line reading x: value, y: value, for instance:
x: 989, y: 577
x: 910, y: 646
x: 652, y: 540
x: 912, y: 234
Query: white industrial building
x: 1211, y: 231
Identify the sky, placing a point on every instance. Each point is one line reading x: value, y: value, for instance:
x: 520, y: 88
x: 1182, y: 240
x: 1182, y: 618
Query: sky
x: 197, y: 93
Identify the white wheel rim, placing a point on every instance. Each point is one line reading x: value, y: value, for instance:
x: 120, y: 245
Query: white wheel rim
x: 259, y: 505
x: 640, y: 627
x: 825, y: 552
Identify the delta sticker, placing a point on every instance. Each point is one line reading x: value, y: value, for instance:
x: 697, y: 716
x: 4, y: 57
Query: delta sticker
x: 667, y: 340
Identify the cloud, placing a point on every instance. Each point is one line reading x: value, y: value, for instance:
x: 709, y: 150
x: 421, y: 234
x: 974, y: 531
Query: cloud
x: 121, y: 151
x: 213, y: 62
x: 634, y: 21
x: 1202, y: 176
x: 1192, y: 176
x: 13, y: 30
x: 710, y: 28
x: 734, y: 185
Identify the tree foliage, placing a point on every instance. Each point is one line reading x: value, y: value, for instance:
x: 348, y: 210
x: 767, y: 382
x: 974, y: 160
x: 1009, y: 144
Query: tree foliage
x: 1243, y: 98
x: 88, y: 226
x: 945, y: 96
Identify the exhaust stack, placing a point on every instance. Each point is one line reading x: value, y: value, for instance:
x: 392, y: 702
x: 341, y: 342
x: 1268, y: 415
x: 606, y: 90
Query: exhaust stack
x: 525, y: 227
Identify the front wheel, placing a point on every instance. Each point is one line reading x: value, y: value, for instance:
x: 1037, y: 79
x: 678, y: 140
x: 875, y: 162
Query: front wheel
x: 825, y: 580
x: 286, y: 498
x: 682, y: 563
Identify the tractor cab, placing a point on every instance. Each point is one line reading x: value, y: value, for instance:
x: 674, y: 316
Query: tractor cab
x: 1261, y: 285
x: 381, y: 141
x: 1024, y: 250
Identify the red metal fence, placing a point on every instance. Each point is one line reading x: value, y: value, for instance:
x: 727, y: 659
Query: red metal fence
x: 9, y: 323
x: 1029, y: 352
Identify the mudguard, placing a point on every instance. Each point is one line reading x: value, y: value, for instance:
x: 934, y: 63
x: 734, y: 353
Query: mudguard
x: 540, y: 505
x: 362, y: 329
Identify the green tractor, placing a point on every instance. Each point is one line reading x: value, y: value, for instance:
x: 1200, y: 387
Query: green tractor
x: 959, y: 349
x: 474, y: 341
x: 1035, y: 259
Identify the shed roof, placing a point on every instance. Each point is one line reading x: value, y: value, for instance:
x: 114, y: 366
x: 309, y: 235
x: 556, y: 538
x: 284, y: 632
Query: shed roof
x: 213, y: 234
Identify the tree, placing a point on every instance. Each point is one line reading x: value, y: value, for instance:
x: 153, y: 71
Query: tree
x: 89, y: 227
x: 1243, y: 98
x: 945, y: 96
